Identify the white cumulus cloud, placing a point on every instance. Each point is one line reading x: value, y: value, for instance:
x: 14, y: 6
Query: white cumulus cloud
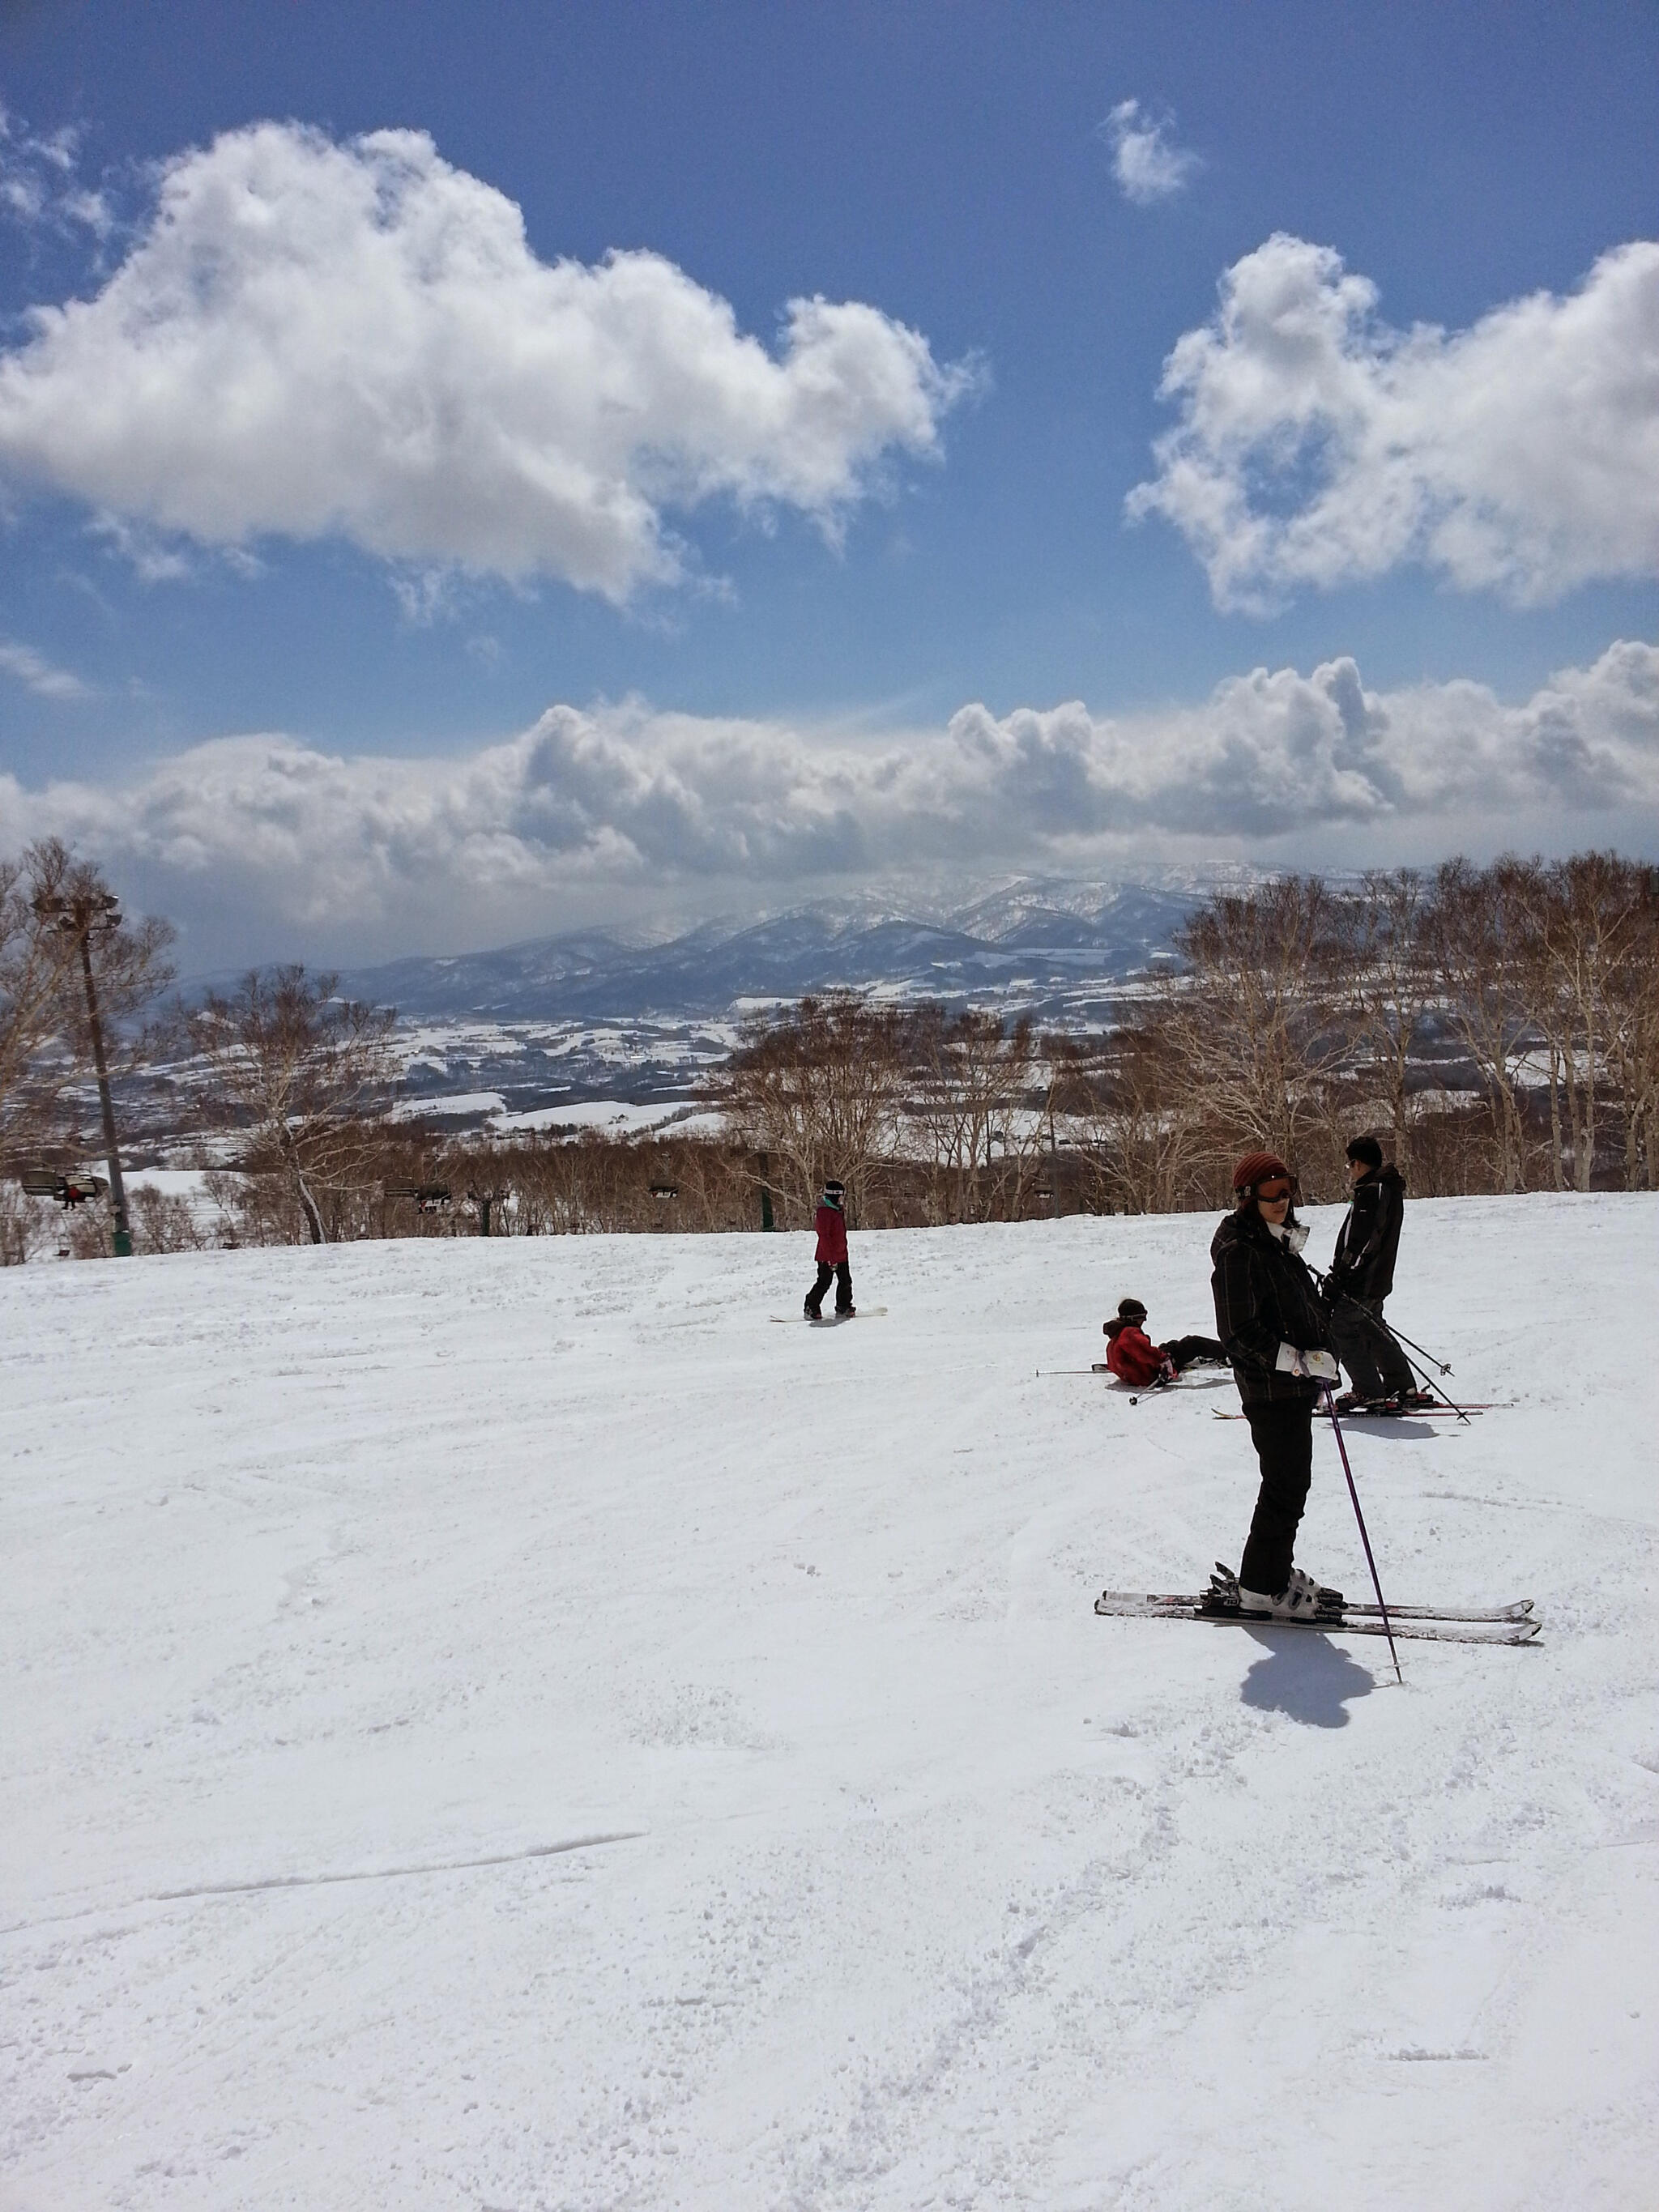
x: 34, y: 670
x: 1316, y: 446
x: 313, y: 339
x: 1147, y: 163
x: 263, y: 844
x: 40, y: 187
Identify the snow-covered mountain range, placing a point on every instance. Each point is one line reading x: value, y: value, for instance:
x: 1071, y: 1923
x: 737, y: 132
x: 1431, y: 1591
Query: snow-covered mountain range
x: 637, y: 1016
x: 1035, y: 940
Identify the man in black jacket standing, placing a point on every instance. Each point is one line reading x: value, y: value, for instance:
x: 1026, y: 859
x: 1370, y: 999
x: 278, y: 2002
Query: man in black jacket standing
x: 1361, y: 1277
x: 1272, y: 1328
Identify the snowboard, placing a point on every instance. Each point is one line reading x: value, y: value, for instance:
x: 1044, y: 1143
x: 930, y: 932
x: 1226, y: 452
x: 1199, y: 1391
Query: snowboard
x: 830, y: 1320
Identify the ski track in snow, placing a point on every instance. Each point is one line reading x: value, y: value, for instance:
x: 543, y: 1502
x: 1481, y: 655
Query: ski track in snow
x: 506, y: 1728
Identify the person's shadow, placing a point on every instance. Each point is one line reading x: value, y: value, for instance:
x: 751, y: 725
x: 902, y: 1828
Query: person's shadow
x: 1304, y: 1675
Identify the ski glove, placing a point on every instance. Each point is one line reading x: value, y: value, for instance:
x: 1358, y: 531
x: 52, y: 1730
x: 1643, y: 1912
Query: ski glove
x: 1292, y: 1360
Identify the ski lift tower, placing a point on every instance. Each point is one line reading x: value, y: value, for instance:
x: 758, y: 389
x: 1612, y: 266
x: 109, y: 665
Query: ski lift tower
x: 78, y: 916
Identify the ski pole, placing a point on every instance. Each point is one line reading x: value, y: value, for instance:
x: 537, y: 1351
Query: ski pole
x: 1384, y: 1328
x: 1381, y: 1602
x: 1444, y: 1365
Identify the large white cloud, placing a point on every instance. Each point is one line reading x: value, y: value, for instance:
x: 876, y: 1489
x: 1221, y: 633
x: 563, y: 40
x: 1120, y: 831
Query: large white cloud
x: 312, y: 338
x: 1316, y: 446
x: 263, y: 844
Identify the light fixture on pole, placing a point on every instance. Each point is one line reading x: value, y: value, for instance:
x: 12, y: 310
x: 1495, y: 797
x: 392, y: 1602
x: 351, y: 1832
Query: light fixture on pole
x: 77, y: 914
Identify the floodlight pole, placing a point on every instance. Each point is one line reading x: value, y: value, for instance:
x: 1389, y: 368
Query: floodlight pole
x: 78, y: 918
x: 121, y: 1239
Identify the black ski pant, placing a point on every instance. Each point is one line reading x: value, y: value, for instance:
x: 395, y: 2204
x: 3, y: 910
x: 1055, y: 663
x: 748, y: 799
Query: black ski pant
x: 1182, y: 1350
x: 1377, y: 1366
x: 841, y: 1276
x: 1281, y: 1429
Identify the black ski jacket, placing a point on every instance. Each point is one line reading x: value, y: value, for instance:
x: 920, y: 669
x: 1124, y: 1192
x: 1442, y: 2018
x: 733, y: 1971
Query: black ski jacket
x: 1370, y: 1238
x: 1264, y: 1296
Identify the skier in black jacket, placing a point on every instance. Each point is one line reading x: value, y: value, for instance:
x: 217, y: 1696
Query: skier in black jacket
x: 1272, y: 1326
x: 1361, y: 1277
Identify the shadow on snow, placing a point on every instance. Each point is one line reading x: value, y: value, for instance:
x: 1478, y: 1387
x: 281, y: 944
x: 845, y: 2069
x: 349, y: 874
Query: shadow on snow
x: 1305, y: 1677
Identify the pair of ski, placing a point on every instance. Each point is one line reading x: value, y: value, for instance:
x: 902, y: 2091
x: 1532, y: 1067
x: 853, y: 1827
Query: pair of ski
x: 1423, y: 1624
x: 1436, y: 1412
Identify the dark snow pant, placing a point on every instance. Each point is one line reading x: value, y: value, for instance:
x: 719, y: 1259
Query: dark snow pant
x: 1182, y: 1350
x: 841, y: 1276
x: 1282, y: 1433
x: 1377, y: 1366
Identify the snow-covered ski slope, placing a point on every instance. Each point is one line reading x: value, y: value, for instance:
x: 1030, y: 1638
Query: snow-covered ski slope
x: 499, y: 1725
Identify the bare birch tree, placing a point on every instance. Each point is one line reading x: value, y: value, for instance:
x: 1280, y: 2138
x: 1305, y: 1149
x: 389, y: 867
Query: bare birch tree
x: 1477, y: 933
x: 818, y: 1091
x: 969, y: 1081
x: 1385, y: 982
x: 33, y: 961
x: 74, y: 976
x: 1587, y: 923
x: 303, y: 1075
x: 1251, y: 1022
x: 1142, y: 1138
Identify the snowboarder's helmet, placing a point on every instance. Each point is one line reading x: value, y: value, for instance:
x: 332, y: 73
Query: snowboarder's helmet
x: 1366, y: 1149
x: 834, y: 1192
x: 1131, y: 1310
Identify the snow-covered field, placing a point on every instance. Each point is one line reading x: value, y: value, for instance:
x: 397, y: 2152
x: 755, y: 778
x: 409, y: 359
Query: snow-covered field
x: 500, y: 1725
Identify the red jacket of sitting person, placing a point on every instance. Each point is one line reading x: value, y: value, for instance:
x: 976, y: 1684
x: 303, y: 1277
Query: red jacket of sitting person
x: 1130, y: 1352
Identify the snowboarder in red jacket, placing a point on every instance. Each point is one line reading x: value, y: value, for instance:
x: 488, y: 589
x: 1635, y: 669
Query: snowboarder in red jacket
x: 1135, y: 1360
x: 830, y: 1222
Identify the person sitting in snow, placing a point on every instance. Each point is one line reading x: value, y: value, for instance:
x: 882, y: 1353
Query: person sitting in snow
x: 830, y: 1222
x: 1361, y: 1277
x: 1135, y: 1360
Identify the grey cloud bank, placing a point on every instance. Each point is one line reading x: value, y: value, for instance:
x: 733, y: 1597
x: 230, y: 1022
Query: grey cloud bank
x: 266, y: 847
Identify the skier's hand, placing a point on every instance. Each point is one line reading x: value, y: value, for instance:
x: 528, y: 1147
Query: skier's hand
x: 1309, y: 1365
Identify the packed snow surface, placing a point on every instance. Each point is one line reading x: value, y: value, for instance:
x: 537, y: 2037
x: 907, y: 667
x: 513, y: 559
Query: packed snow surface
x: 505, y: 1725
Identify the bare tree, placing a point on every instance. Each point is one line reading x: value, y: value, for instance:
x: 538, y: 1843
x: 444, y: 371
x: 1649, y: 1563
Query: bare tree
x: 1251, y: 1022
x: 819, y: 1093
x: 1633, y: 1038
x: 1477, y: 933
x: 303, y: 1074
x: 33, y: 961
x: 1385, y: 981
x: 1588, y: 925
x: 968, y: 1088
x: 1142, y: 1138
x: 113, y: 969
x: 73, y: 977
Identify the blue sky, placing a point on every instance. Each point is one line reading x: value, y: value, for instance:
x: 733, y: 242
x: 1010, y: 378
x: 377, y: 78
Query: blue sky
x: 762, y: 680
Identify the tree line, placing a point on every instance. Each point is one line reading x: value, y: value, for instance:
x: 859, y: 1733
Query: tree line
x: 1497, y: 1026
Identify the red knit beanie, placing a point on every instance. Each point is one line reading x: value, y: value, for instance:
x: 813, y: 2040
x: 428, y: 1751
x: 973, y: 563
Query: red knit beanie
x: 1256, y: 1167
